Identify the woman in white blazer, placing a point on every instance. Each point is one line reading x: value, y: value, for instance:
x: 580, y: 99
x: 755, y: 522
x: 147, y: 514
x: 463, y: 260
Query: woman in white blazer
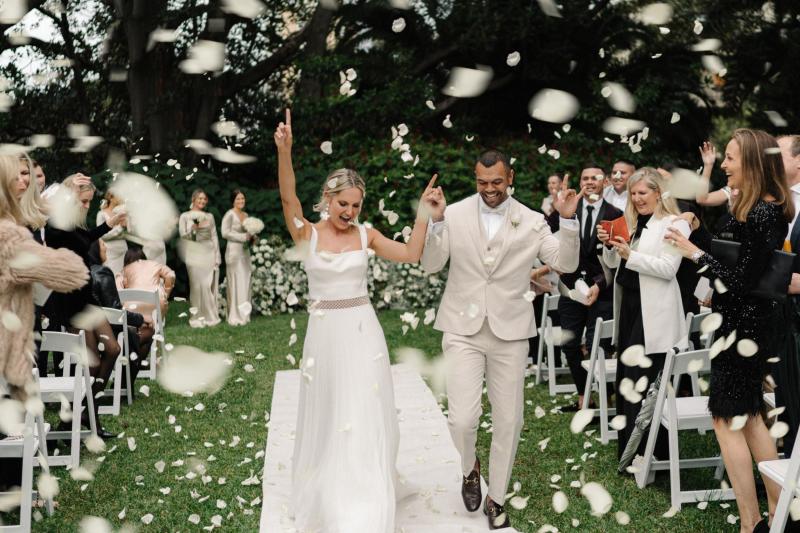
x: 647, y: 298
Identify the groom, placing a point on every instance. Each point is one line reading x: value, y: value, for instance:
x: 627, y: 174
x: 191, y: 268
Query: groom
x: 491, y: 241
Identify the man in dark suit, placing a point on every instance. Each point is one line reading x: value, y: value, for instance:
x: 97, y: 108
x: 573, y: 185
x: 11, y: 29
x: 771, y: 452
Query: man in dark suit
x: 575, y: 315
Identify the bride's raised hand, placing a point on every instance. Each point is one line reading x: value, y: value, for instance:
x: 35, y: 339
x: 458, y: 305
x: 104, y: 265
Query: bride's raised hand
x: 283, y: 133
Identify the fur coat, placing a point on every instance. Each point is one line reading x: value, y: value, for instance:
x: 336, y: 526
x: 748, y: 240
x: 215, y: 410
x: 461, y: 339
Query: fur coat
x: 24, y: 262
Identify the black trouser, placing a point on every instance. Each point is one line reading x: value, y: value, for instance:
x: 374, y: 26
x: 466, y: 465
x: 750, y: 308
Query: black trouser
x: 533, y: 342
x: 786, y: 373
x: 574, y: 317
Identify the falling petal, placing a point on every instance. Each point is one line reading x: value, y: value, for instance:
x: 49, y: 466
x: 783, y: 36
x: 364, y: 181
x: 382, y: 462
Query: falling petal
x: 622, y: 126
x: 711, y: 323
x: 599, y: 498
x: 778, y: 430
x: 656, y: 14
x: 467, y: 82
x: 513, y: 59
x: 398, y: 25
x: 550, y: 8
x: 746, y: 348
x: 738, y: 422
x: 619, y: 97
x: 581, y: 419
x: 618, y: 422
x: 553, y: 105
x: 190, y: 369
x: 560, y: 502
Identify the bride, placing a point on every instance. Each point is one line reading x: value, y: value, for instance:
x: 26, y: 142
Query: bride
x: 344, y: 472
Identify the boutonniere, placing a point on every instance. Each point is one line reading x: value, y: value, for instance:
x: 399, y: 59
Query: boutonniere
x: 515, y: 221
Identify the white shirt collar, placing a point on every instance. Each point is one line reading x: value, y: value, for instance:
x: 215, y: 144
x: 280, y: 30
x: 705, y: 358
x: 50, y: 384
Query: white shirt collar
x: 796, y: 188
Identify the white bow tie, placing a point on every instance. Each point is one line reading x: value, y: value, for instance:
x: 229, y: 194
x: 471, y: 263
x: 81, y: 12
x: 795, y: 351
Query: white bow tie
x: 499, y: 210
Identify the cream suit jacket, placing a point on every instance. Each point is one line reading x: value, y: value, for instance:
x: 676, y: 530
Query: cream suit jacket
x: 490, y: 278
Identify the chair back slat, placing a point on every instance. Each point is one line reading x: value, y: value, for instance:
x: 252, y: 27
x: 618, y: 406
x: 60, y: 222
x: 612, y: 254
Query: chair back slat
x: 551, y: 302
x: 69, y: 343
x: 115, y: 317
x: 139, y: 295
x: 682, y: 361
x: 693, y: 321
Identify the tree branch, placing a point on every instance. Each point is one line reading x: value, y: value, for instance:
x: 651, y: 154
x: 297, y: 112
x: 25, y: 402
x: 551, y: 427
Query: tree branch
x: 263, y: 69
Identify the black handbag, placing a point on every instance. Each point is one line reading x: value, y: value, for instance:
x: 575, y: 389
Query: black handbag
x: 777, y: 275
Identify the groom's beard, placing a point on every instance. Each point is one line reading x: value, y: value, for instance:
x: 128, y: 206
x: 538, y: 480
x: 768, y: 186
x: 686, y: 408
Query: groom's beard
x: 494, y: 201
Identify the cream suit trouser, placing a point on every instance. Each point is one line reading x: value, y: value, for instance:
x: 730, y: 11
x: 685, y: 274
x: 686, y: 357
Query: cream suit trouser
x: 469, y: 359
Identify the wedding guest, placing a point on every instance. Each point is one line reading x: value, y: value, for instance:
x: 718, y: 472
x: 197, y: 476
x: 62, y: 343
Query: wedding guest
x: 237, y: 261
x: 616, y: 193
x: 142, y: 273
x: 38, y: 174
x: 786, y: 371
x: 115, y: 243
x: 761, y: 213
x: 201, y: 254
x: 647, y: 298
x: 59, y: 270
x: 104, y: 289
x: 576, y: 315
x: 61, y: 309
x: 553, y: 186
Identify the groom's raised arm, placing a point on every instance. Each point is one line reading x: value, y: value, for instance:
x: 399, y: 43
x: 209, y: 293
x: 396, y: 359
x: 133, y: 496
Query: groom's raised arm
x: 562, y: 251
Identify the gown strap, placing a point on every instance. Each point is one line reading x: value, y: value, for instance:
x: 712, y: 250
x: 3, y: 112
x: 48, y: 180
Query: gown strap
x: 312, y: 242
x: 362, y: 231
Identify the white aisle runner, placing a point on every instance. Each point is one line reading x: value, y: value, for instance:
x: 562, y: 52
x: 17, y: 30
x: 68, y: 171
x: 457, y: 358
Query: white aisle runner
x: 428, y: 462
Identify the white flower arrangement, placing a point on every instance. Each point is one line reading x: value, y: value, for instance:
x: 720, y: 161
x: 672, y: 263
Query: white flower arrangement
x: 253, y: 225
x: 391, y: 285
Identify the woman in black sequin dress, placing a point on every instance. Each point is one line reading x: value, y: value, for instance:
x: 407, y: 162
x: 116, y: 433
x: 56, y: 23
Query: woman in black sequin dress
x: 759, y: 221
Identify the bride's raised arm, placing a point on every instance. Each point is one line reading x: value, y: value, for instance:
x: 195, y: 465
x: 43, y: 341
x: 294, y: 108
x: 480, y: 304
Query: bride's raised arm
x: 431, y: 203
x: 292, y: 209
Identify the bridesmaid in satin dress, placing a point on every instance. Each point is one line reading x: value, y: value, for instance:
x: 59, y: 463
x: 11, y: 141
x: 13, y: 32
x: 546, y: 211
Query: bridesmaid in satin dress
x: 237, y: 261
x: 116, y: 246
x: 200, y: 247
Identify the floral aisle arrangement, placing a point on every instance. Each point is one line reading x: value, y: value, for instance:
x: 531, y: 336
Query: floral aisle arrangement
x: 280, y: 285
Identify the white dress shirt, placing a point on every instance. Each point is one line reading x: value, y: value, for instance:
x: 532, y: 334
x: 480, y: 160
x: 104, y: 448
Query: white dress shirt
x: 595, y: 210
x: 493, y: 217
x: 618, y: 200
x: 796, y: 199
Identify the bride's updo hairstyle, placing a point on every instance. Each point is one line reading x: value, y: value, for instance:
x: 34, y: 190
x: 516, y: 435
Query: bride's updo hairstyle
x: 337, y: 181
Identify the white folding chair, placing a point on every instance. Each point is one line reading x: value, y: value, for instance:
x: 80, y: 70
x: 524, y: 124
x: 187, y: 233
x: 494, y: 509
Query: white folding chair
x: 119, y: 317
x: 706, y: 339
x: 676, y: 414
x: 693, y: 326
x: 78, y: 385
x: 786, y: 473
x: 601, y: 370
x: 32, y: 433
x: 549, y: 338
x: 149, y: 366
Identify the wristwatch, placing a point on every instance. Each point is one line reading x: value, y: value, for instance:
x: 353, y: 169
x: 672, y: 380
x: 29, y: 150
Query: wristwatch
x: 696, y: 256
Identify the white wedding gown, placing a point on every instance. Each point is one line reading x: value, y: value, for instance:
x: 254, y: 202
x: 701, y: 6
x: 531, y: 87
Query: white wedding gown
x: 344, y: 466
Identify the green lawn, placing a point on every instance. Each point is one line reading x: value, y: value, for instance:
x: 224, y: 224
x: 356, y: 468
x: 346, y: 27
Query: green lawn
x: 225, y: 439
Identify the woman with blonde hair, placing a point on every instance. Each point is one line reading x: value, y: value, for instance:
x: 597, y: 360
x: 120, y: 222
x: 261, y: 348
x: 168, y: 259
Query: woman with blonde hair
x: 761, y: 213
x: 114, y: 240
x: 200, y: 251
x: 26, y: 262
x: 647, y: 298
x: 344, y: 465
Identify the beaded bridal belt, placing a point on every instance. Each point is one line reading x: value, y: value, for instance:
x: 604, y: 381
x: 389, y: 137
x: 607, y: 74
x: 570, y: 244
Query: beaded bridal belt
x: 341, y: 304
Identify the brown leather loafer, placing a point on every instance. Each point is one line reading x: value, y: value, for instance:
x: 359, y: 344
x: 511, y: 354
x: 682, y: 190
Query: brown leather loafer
x: 498, y: 518
x: 471, y: 490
